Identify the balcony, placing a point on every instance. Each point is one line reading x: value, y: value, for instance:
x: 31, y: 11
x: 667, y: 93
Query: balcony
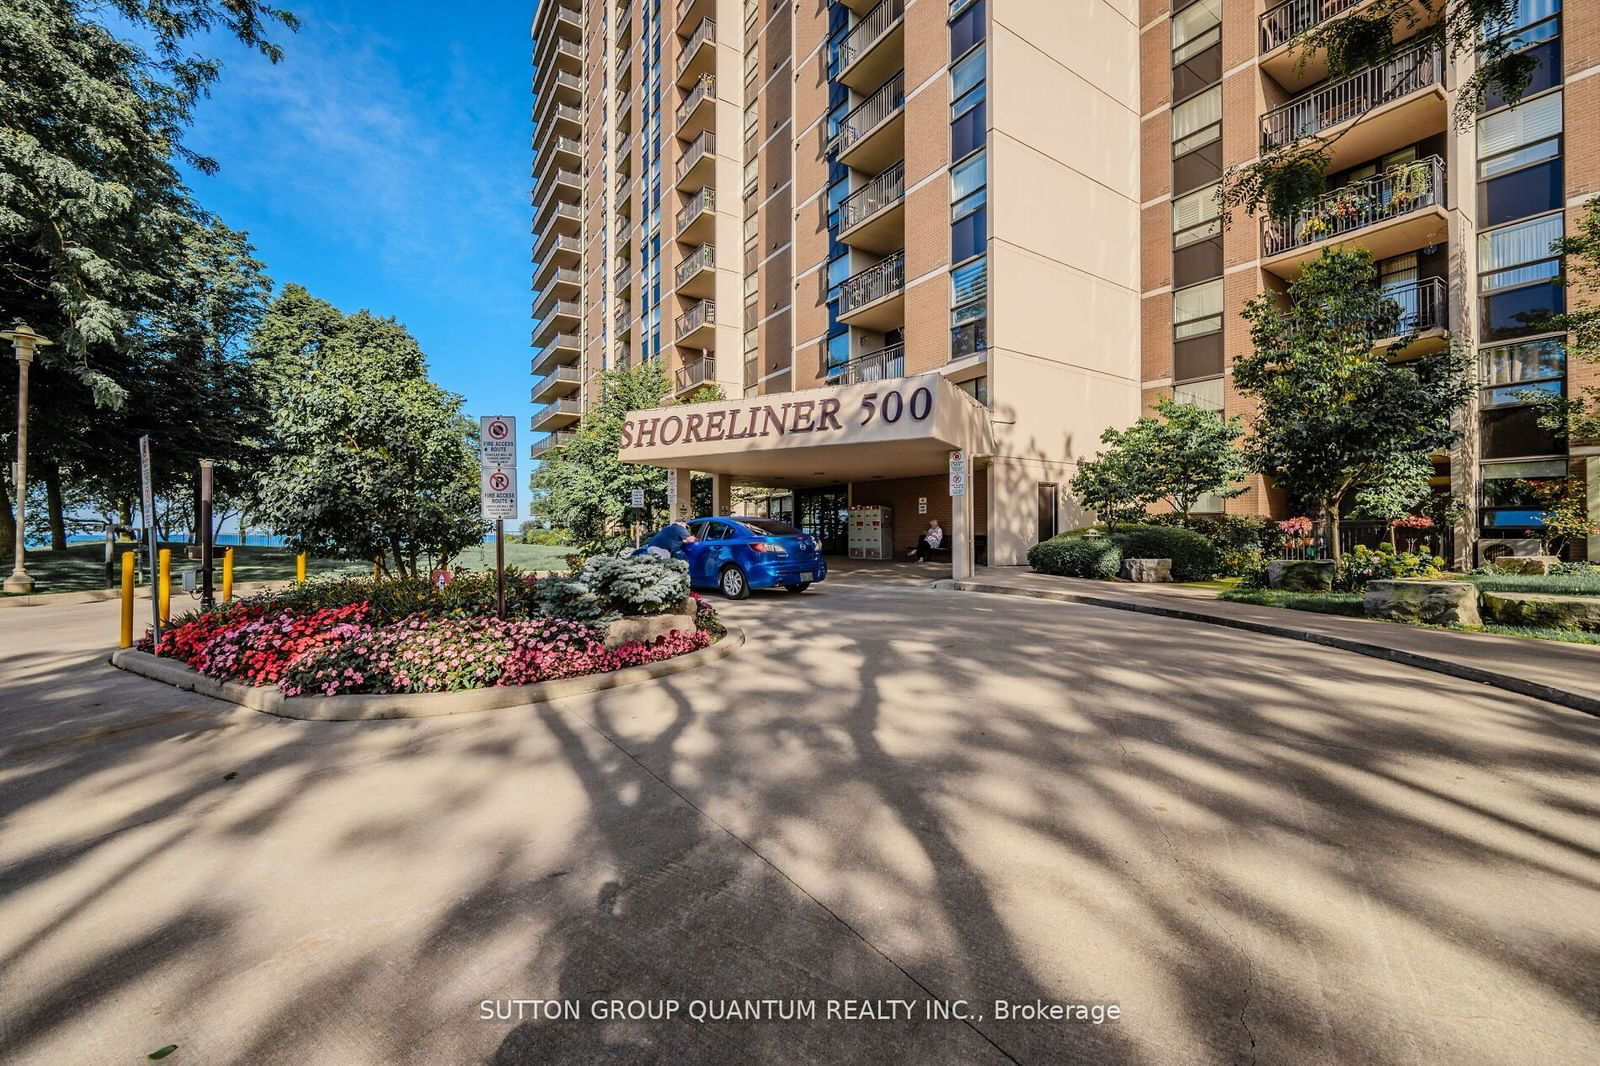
x: 564, y: 218
x: 562, y: 55
x: 624, y: 146
x: 553, y: 249
x: 698, y: 164
x: 1392, y: 213
x: 696, y: 326
x: 1399, y: 102
x: 624, y: 201
x: 561, y: 87
x: 622, y: 324
x: 1425, y: 312
x: 691, y: 11
x: 557, y: 414
x: 696, y: 372
x: 624, y: 70
x: 698, y: 112
x: 562, y: 151
x: 873, y: 217
x: 874, y: 48
x: 623, y: 247
x: 619, y: 356
x: 872, y: 135
x: 622, y: 282
x: 562, y: 381
x: 555, y: 195
x: 558, y: 315
x: 697, y: 219
x: 549, y: 441
x: 562, y: 350
x: 563, y: 118
x: 881, y: 365
x: 699, y: 53
x: 563, y: 283
x: 875, y: 298
x: 697, y: 274
x: 549, y: 269
x: 1281, y: 24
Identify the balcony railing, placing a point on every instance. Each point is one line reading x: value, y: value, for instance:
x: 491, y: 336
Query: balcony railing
x: 873, y: 283
x: 703, y: 313
x: 706, y: 31
x: 560, y: 244
x: 623, y: 322
x: 881, y: 365
x: 549, y: 309
x: 544, y: 444
x: 1399, y: 191
x: 1424, y: 305
x: 623, y: 278
x: 624, y: 143
x: 1350, y: 97
x: 566, y: 81
x: 553, y: 409
x: 568, y: 112
x: 564, y: 276
x: 1281, y: 24
x: 565, y: 144
x: 569, y: 374
x: 704, y: 200
x: 698, y: 149
x: 702, y: 258
x: 883, y: 191
x: 865, y: 33
x: 699, y: 372
x: 705, y: 87
x: 889, y: 98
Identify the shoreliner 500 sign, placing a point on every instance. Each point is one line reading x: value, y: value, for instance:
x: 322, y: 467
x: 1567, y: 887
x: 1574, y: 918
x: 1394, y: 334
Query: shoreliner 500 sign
x: 777, y: 418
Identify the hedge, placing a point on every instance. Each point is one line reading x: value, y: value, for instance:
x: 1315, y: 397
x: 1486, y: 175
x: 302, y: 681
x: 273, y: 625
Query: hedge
x: 1068, y: 556
x: 1194, y: 557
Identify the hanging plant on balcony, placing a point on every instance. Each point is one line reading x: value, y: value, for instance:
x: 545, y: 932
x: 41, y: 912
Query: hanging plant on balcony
x: 1279, y: 182
x: 1349, y: 204
x: 1314, y: 228
x: 1408, y: 185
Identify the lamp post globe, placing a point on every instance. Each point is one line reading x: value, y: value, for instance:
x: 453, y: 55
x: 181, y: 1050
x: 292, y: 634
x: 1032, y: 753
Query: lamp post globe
x: 24, y: 343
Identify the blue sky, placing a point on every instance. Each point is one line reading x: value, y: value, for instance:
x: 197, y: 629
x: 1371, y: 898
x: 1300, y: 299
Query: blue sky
x: 383, y: 164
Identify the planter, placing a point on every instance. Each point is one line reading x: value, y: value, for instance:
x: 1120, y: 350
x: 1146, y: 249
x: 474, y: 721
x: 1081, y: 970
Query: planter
x: 1147, y: 571
x: 1418, y: 600
x: 1301, y: 575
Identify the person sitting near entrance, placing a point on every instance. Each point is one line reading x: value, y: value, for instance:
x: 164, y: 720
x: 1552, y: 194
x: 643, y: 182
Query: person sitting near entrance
x: 929, y: 541
x: 669, y: 541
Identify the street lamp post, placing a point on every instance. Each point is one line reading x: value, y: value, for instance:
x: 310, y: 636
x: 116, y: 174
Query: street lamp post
x: 24, y: 341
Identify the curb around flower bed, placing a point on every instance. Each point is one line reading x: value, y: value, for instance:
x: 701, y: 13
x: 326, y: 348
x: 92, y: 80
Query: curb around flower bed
x: 360, y: 708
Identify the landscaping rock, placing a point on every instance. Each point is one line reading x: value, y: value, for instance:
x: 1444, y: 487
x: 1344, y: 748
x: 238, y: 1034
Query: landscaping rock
x: 1543, y: 609
x: 1147, y: 570
x: 1526, y: 564
x: 647, y: 627
x: 1302, y: 575
x: 1419, y: 600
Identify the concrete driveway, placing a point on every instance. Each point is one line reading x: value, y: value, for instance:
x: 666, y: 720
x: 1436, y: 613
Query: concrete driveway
x: 1257, y: 850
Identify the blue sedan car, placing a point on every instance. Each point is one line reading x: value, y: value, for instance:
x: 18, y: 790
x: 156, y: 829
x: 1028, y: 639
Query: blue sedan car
x: 739, y: 554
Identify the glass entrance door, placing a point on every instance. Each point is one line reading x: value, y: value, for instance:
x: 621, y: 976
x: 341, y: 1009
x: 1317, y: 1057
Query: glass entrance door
x: 824, y: 513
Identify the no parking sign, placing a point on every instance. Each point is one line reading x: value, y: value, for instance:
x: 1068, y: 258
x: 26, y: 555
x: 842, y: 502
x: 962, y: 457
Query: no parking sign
x: 497, y: 489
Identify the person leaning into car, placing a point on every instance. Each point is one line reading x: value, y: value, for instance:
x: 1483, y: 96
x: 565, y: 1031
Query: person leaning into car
x: 670, y: 540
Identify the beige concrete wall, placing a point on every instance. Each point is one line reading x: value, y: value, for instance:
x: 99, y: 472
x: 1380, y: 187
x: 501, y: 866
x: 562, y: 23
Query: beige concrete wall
x: 1064, y: 259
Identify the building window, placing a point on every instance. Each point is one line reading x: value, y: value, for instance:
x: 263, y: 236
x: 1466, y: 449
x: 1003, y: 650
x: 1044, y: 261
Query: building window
x: 838, y: 271
x: 1197, y: 310
x: 838, y: 353
x: 1197, y: 121
x: 1522, y: 373
x: 968, y: 218
x: 967, y: 27
x: 969, y: 303
x: 1518, y: 282
x: 1196, y: 28
x: 1532, y: 121
x: 968, y: 109
x: 1195, y: 216
x: 1510, y: 502
x: 1206, y: 393
x: 977, y: 388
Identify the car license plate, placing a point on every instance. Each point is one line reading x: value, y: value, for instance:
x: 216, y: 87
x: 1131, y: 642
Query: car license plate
x: 809, y: 575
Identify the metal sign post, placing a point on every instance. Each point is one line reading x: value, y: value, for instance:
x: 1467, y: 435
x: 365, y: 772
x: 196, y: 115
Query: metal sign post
x: 497, y: 490
x: 636, y: 503
x: 147, y: 505
x: 207, y: 553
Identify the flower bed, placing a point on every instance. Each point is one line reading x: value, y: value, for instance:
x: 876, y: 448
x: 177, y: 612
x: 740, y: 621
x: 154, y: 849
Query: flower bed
x: 325, y: 639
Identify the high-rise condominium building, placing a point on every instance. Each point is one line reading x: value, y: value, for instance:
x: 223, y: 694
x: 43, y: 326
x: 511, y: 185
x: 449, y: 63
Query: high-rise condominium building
x: 928, y: 250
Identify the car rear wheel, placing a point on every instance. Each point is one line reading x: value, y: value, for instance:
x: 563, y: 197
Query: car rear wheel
x: 800, y: 586
x: 733, y: 583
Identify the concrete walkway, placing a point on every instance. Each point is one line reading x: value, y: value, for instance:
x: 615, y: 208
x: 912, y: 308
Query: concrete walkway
x: 1259, y: 850
x: 1568, y: 674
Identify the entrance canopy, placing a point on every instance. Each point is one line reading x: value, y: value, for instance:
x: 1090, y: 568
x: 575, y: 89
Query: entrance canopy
x: 876, y: 429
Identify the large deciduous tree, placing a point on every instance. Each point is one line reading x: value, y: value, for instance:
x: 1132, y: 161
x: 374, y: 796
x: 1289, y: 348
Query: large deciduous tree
x: 1338, y: 412
x: 369, y: 458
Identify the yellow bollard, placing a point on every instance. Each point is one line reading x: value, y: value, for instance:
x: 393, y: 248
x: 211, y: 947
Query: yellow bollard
x: 300, y: 568
x: 227, y: 576
x: 129, y: 567
x: 166, y: 585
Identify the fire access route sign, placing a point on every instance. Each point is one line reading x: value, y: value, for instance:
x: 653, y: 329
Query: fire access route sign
x: 497, y: 475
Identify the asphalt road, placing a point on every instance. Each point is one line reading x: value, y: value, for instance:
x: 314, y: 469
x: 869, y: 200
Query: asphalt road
x: 893, y: 801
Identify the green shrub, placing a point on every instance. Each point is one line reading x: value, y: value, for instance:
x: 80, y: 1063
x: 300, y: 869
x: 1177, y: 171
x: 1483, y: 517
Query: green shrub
x: 1069, y: 556
x: 1194, y: 557
x: 1241, y: 540
x: 1361, y: 564
x: 552, y: 538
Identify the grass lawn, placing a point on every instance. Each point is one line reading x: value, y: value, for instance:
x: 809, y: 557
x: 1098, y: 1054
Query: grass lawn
x: 1345, y: 603
x: 82, y: 566
x: 1216, y: 584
